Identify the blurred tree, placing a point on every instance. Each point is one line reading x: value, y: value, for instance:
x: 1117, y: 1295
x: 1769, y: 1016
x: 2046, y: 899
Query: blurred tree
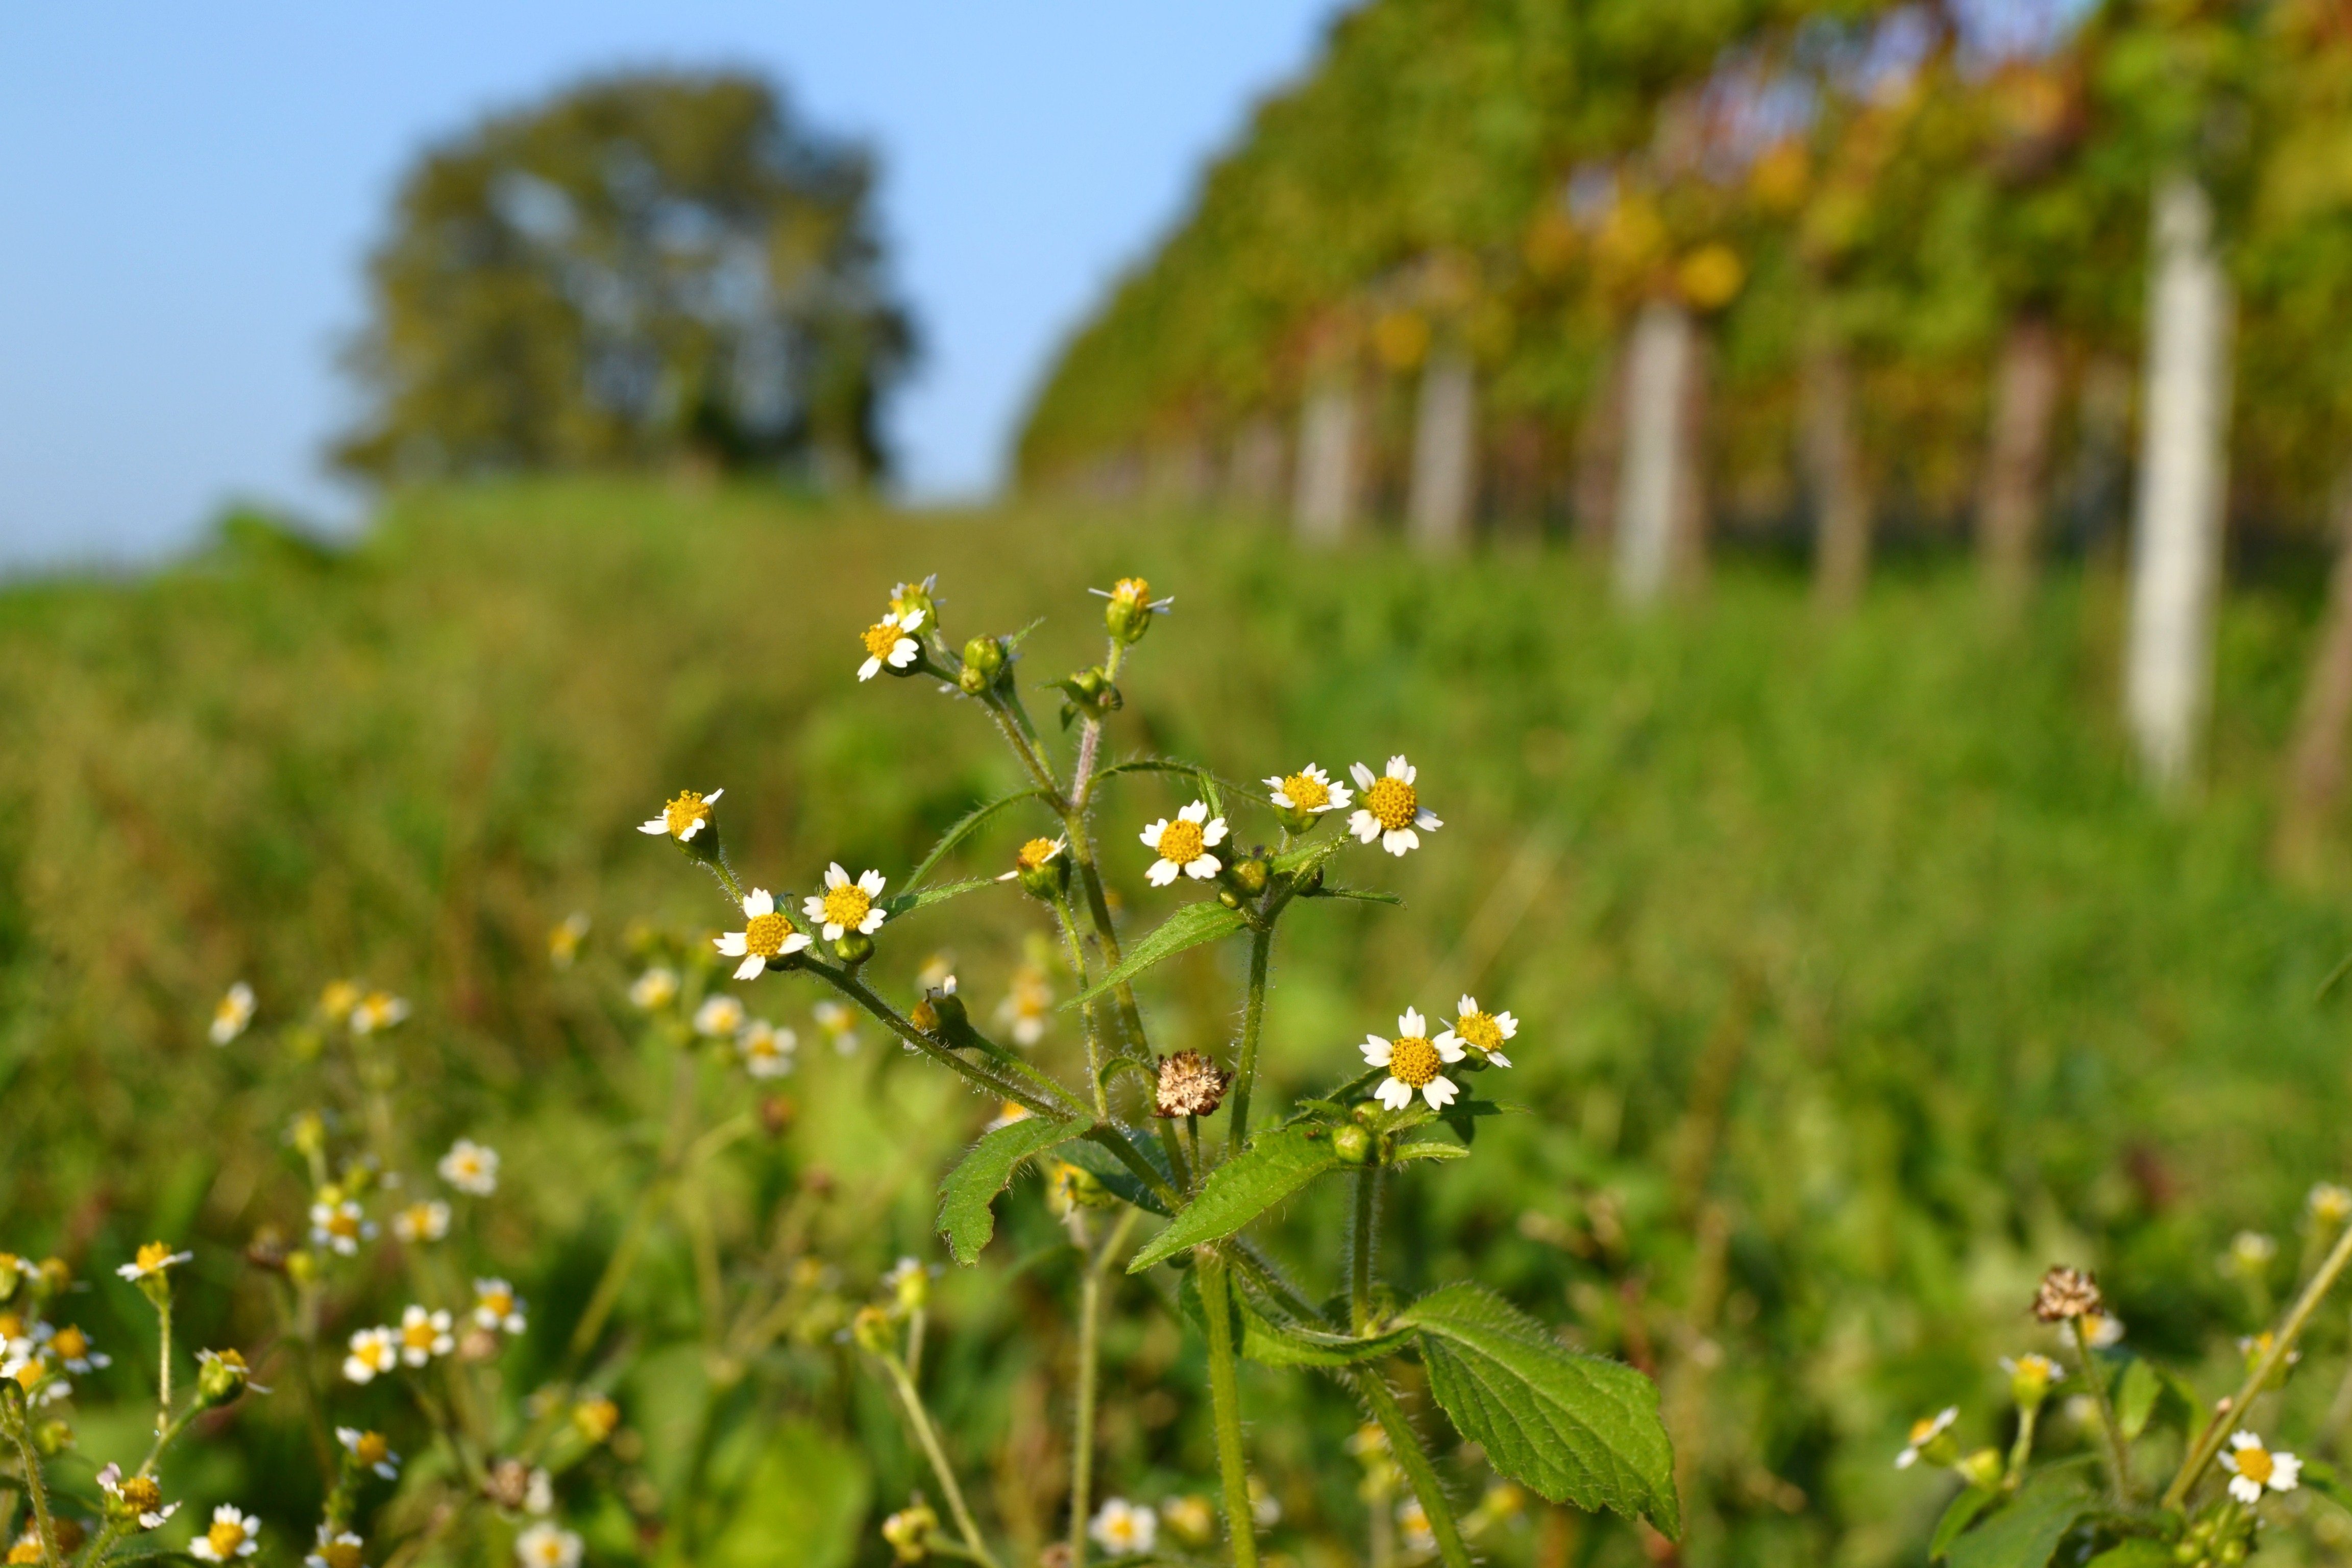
x: 645, y: 268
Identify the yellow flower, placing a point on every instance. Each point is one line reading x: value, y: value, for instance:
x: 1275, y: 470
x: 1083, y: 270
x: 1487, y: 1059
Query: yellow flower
x: 1415, y: 1061
x: 1392, y: 811
x: 377, y: 1010
x: 845, y: 905
x: 891, y: 641
x: 1484, y: 1032
x: 683, y: 818
x: 563, y: 941
x: 1309, y: 792
x: 151, y: 1261
x: 232, y: 1014
x: 1183, y: 846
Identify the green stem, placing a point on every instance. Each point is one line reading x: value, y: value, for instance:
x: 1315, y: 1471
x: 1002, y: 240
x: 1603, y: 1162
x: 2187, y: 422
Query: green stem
x: 1252, y: 1017
x: 19, y: 1422
x: 1082, y: 1457
x: 1225, y: 1404
x: 2192, y: 1467
x: 163, y: 1360
x: 1359, y: 1251
x: 2022, y: 1449
x: 2118, y: 1456
x: 1405, y: 1443
x: 1038, y: 1093
x: 1092, y: 1025
x: 928, y: 1438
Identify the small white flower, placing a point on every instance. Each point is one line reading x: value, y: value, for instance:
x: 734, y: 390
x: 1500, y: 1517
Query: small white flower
x: 1308, y: 791
x: 340, y: 1226
x: 2252, y: 1468
x: 1484, y: 1032
x: 334, y: 1549
x: 427, y: 1221
x: 496, y: 1306
x: 766, y: 937
x: 891, y: 641
x: 1027, y: 1007
x: 377, y: 1011
x: 374, y: 1352
x: 471, y: 1167
x: 232, y: 1535
x: 1183, y: 844
x: 2330, y: 1203
x: 1412, y: 1523
x: 71, y: 1347
x: 233, y: 1012
x: 539, y: 1492
x: 424, y: 1335
x: 154, y: 1260
x: 718, y: 1016
x: 767, y: 1051
x: 1926, y: 1431
x: 655, y: 988
x: 1392, y: 811
x: 683, y: 818
x: 845, y: 905
x: 1415, y: 1061
x: 2101, y: 1329
x: 369, y: 1451
x: 544, y: 1545
x: 1123, y: 1528
x: 839, y: 1024
x: 1036, y: 856
x: 110, y: 1481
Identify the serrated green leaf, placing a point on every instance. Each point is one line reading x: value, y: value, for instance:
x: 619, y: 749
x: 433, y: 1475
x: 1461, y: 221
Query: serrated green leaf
x: 965, y: 827
x: 1361, y: 895
x: 2135, y: 1395
x: 1271, y: 1341
x: 2025, y: 1532
x: 1576, y: 1428
x: 1426, y: 1149
x: 1188, y: 928
x: 2138, y: 1552
x: 1957, y: 1516
x: 1277, y: 1162
x: 968, y: 1193
x: 917, y: 899
x: 1112, y: 1172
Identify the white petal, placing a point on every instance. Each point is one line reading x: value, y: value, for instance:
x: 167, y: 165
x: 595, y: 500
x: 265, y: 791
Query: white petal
x: 1401, y: 769
x: 1364, y: 826
x: 1151, y: 834
x: 2246, y: 1490
x: 713, y: 799
x: 1162, y: 872
x: 656, y: 826
x: 1215, y: 833
x: 1203, y: 869
x: 903, y: 654
x: 1426, y: 819
x: 1469, y: 1004
x: 872, y: 882
x: 1340, y: 796
x: 1439, y: 1092
x: 750, y: 967
x: 1397, y: 842
x: 914, y: 620
x: 1508, y: 1025
x: 812, y: 908
x: 1413, y: 1023
x: 1363, y: 774
x: 835, y: 877
x: 1394, y: 1093
x: 871, y: 668
x: 1498, y: 1059
x: 1377, y: 1051
x: 690, y: 830
x: 1275, y: 783
x: 760, y: 902
x: 731, y: 945
x: 835, y: 933
x: 1280, y: 799
x: 1449, y: 1046
x: 793, y: 944
x: 873, y: 921
x: 1196, y: 812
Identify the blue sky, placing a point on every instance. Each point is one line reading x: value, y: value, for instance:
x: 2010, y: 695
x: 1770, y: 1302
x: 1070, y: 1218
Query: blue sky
x: 191, y: 191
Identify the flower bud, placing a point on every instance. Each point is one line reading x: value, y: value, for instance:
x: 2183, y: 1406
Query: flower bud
x: 983, y: 665
x: 220, y: 1376
x: 942, y: 1013
x: 2030, y: 1377
x: 1981, y: 1469
x: 853, y: 947
x: 909, y: 1532
x: 1129, y: 614
x: 910, y: 1286
x: 303, y: 1267
x: 1042, y: 868
x: 1352, y: 1143
x: 1074, y: 1186
x: 53, y: 1437
x: 1251, y: 875
x: 133, y: 1496
x: 595, y: 1418
x: 872, y: 1330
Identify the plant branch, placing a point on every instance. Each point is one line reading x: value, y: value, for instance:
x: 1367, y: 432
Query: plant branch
x: 928, y: 1436
x: 1224, y: 1403
x: 1253, y: 1019
x: 1404, y: 1443
x: 2118, y: 1456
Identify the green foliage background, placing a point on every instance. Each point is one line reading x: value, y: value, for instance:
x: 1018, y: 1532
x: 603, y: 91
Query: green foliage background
x: 1859, y: 980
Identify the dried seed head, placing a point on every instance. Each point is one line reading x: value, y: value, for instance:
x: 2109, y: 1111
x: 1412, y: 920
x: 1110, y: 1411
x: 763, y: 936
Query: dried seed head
x: 2066, y: 1293
x: 1190, y: 1085
x: 508, y: 1484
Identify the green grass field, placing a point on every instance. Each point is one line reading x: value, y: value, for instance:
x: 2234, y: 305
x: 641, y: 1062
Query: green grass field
x: 1859, y: 979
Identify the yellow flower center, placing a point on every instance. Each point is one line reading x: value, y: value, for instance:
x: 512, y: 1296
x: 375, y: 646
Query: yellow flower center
x: 499, y: 1302
x: 1131, y: 591
x: 881, y: 638
x: 418, y: 1336
x: 25, y: 1552
x: 1414, y: 1061
x: 339, y: 1555
x: 152, y: 1256
x: 29, y: 1375
x: 10, y: 1326
x: 1036, y: 853
x: 1180, y: 842
x: 343, y: 1223
x: 1305, y: 792
x: 2255, y: 1465
x: 71, y: 1344
x: 1480, y: 1029
x: 1391, y: 802
x: 846, y: 906
x: 226, y: 1537
x: 142, y: 1493
x: 372, y: 1448
x: 684, y: 812
x: 1922, y: 1429
x: 763, y: 935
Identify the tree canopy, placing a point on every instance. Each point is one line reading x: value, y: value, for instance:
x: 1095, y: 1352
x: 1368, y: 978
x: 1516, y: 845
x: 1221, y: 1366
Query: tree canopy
x: 641, y: 267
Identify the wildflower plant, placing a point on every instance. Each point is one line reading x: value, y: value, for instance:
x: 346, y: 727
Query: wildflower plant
x: 2158, y: 1471
x: 1147, y: 1183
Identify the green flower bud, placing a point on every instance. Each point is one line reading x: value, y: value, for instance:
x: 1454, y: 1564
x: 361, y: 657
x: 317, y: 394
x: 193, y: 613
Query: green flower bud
x: 1042, y: 868
x: 53, y: 1437
x: 220, y: 1376
x: 1352, y: 1143
x: 1981, y: 1469
x: 983, y: 665
x: 2030, y: 1377
x: 872, y: 1330
x: 1251, y: 876
x: 853, y: 947
x: 1129, y: 614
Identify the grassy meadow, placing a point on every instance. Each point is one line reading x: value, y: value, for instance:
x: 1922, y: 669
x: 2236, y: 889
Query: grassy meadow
x: 1859, y: 980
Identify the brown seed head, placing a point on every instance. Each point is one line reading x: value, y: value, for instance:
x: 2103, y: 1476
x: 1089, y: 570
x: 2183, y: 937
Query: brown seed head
x: 1190, y: 1085
x: 2066, y: 1293
x: 508, y: 1484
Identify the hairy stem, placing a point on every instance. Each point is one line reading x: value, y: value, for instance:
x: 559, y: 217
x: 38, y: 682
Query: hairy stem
x: 163, y: 1359
x: 1405, y: 1443
x: 2118, y: 1456
x: 2192, y: 1466
x: 1252, y: 1017
x: 1224, y: 1403
x: 1360, y: 1249
x: 2022, y: 1449
x: 928, y: 1438
x: 1091, y: 1281
x: 1087, y: 1019
x: 19, y: 1422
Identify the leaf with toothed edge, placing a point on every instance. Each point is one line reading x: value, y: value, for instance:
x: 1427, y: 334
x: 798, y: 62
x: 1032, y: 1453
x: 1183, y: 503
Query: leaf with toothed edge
x: 1189, y: 927
x: 1272, y: 1342
x: 971, y: 822
x: 1277, y: 1162
x: 1113, y: 1173
x: 915, y: 899
x: 968, y: 1193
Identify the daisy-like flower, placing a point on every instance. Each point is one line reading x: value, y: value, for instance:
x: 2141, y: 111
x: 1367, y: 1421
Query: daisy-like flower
x: 1011, y: 1111
x: 376, y: 1011
x: 2254, y: 1347
x: 1412, y: 1524
x: 839, y: 1025
x: 496, y: 1306
x: 1265, y: 1507
x: 1309, y: 792
x: 718, y: 1016
x: 2101, y: 1329
x: 845, y: 905
x: 1123, y: 1528
x: 683, y: 818
x: 232, y: 1535
x: 137, y: 1497
x: 1484, y: 1032
x: 340, y: 1225
x: 232, y: 1014
x: 1392, y: 812
x: 369, y: 1451
x: 32, y: 1374
x: 2253, y: 1468
x: 470, y: 1167
x: 1035, y: 857
x: 222, y: 1375
x: 335, y: 1549
x: 1183, y: 844
x: 2030, y: 1376
x: 374, y: 1352
x: 1190, y: 1518
x: 595, y: 1418
x: 427, y: 1221
x: 1027, y: 1007
x: 891, y: 641
x: 1129, y: 614
x: 767, y: 935
x: 563, y: 941
x: 424, y: 1335
x: 337, y: 998
x: 152, y: 1261
x: 655, y: 989
x: 1415, y: 1061
x: 547, y: 1545
x: 2330, y: 1203
x: 73, y: 1350
x: 767, y: 1051
x: 1923, y: 1432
